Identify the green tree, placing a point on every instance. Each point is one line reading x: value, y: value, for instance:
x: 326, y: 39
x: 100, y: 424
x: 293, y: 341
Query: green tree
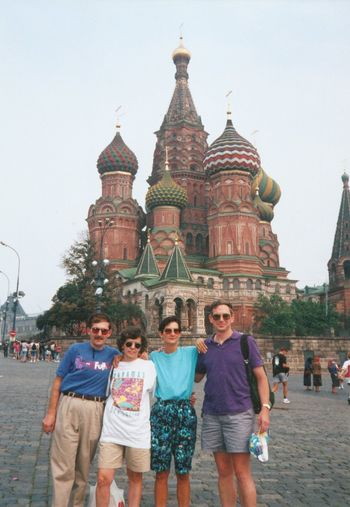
x: 274, y: 316
x: 301, y: 318
x: 75, y: 301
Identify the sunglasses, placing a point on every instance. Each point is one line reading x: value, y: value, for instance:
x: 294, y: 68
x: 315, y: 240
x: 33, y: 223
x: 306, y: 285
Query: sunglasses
x: 97, y: 330
x: 225, y: 316
x: 169, y: 331
x: 130, y: 344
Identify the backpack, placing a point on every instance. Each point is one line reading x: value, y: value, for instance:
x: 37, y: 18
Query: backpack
x: 253, y: 384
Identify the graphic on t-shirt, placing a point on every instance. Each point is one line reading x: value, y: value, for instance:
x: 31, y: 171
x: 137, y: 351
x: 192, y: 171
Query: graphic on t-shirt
x: 80, y: 364
x: 127, y: 393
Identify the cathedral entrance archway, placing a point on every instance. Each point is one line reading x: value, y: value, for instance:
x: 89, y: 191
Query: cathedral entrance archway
x: 191, y: 314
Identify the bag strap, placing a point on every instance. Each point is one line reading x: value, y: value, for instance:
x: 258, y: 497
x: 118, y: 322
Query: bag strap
x: 245, y: 348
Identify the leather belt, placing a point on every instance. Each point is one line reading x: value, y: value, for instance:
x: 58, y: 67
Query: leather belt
x: 85, y: 396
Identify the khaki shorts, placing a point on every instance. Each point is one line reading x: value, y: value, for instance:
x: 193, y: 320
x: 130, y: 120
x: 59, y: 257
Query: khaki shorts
x: 112, y: 456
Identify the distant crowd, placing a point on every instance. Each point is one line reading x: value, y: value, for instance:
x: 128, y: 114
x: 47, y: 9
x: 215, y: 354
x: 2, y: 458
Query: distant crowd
x: 33, y: 351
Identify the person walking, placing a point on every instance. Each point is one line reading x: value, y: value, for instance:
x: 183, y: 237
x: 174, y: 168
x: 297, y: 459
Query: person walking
x: 333, y: 371
x: 228, y: 415
x: 317, y: 373
x: 173, y: 419
x: 75, y: 412
x: 346, y: 374
x: 308, y: 373
x: 126, y: 431
x: 280, y: 371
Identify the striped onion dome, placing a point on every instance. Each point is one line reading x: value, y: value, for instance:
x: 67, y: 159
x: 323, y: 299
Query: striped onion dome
x: 117, y: 157
x: 166, y: 193
x: 230, y: 152
x: 269, y: 190
x: 265, y: 209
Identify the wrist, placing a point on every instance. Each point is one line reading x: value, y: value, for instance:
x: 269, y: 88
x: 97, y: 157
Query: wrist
x: 266, y: 405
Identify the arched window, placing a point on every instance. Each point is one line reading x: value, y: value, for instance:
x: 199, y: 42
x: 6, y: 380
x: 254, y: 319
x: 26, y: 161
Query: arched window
x: 249, y: 284
x: 189, y: 239
x: 125, y: 253
x: 178, y: 308
x: 210, y: 283
x: 236, y: 284
x: 346, y: 266
x: 226, y: 284
x: 229, y: 248
x: 258, y: 285
x: 199, y: 243
x: 287, y: 289
x: 200, y: 280
x: 277, y: 288
x: 195, y: 201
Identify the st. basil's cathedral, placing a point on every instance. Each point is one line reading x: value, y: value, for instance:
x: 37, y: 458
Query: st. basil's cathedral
x: 206, y: 232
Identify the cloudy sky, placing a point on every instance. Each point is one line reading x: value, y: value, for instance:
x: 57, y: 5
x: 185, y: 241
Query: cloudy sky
x: 68, y: 65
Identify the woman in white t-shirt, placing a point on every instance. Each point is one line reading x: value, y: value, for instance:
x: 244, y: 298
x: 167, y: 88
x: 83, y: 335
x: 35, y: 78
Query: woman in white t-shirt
x: 346, y: 374
x: 126, y: 431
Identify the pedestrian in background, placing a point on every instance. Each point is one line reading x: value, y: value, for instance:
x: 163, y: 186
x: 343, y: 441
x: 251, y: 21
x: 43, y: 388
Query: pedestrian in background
x: 317, y: 373
x: 308, y: 374
x: 280, y: 371
x: 333, y: 371
x: 346, y: 374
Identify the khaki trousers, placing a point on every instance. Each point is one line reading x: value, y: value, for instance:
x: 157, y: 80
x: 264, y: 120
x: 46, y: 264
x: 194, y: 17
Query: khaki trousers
x: 77, y: 432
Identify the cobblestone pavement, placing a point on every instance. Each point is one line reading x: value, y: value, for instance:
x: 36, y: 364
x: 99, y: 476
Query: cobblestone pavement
x: 309, y: 447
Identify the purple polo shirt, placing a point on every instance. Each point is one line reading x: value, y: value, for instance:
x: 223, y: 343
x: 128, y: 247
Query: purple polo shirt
x: 226, y: 388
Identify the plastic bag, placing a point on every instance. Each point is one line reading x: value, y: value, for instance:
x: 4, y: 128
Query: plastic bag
x: 116, y: 498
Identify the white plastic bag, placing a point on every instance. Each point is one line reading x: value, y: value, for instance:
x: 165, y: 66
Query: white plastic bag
x: 116, y: 498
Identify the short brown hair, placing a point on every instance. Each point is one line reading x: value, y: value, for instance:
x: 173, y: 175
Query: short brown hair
x: 131, y: 333
x: 218, y: 303
x: 95, y: 318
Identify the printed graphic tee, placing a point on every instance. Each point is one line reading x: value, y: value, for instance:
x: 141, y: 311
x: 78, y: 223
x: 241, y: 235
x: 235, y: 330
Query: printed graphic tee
x: 126, y: 416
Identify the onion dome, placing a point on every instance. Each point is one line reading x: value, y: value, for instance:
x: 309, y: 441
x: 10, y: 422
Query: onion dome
x: 265, y: 209
x: 167, y: 192
x: 231, y: 152
x: 269, y: 190
x: 117, y: 157
x: 181, y: 51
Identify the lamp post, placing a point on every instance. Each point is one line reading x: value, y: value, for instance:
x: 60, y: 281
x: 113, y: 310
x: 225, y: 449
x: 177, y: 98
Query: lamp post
x: 16, y: 294
x: 101, y: 264
x: 6, y: 308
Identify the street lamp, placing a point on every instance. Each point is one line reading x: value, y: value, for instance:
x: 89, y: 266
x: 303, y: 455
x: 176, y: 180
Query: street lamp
x: 100, y: 265
x: 16, y: 294
x: 6, y: 308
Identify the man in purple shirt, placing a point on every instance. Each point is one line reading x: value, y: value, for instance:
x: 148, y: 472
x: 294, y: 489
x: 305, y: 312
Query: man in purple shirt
x: 228, y: 416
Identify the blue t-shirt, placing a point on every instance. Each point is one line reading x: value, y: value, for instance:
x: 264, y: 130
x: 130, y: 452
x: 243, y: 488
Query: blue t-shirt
x: 85, y: 370
x: 175, y: 373
x: 227, y: 391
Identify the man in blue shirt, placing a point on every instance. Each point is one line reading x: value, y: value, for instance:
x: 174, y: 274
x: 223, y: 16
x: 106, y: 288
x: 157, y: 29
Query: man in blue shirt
x: 173, y: 419
x: 75, y: 412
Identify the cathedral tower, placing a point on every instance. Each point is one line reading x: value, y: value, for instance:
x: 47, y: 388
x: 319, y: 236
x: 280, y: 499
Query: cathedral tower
x: 183, y: 133
x: 339, y: 263
x: 115, y: 220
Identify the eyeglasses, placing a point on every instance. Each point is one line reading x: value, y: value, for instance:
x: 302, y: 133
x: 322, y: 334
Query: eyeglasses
x: 225, y: 316
x: 169, y: 331
x: 96, y: 331
x: 130, y: 344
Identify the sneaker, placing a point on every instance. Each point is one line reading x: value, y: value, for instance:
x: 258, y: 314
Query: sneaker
x: 286, y: 400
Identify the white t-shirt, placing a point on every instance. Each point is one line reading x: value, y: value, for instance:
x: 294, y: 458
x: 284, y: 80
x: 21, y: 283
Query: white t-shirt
x: 126, y: 416
x: 346, y: 367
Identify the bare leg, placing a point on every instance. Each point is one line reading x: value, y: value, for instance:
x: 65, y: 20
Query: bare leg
x: 135, y: 488
x: 227, y: 490
x: 183, y: 490
x: 274, y: 388
x: 285, y: 389
x: 105, y: 477
x: 246, y: 485
x: 161, y: 489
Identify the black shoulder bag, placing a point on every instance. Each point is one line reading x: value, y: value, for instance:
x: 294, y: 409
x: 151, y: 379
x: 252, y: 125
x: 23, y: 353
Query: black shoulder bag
x: 253, y: 384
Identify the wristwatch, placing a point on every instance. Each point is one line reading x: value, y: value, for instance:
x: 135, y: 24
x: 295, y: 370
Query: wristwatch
x: 267, y: 405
